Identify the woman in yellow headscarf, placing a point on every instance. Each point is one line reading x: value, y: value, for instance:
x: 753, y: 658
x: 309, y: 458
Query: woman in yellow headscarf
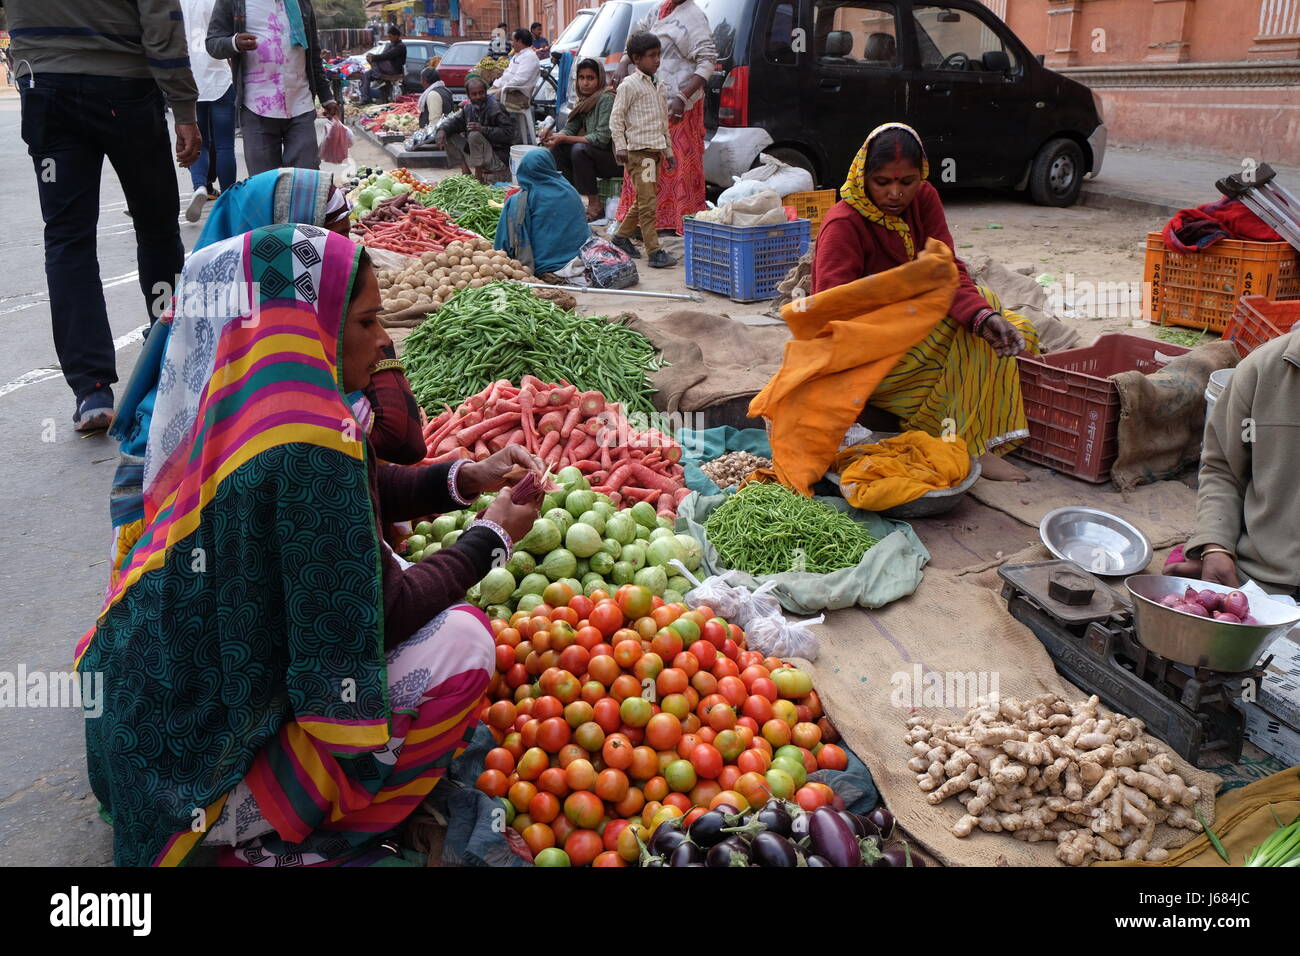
x: 963, y: 377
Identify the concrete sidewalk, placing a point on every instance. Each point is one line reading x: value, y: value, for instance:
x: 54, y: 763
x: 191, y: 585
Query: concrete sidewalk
x: 1155, y: 180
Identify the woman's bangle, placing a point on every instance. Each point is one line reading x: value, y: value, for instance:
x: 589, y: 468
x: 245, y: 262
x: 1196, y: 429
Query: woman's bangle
x: 1205, y: 551
x: 982, y: 318
x: 452, y: 474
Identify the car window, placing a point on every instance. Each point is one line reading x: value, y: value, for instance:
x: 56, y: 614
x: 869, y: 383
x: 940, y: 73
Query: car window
x: 575, y: 31
x: 958, y: 40
x: 859, y: 34
x: 464, y: 54
x: 778, y: 41
x: 724, y: 17
x: 608, y: 33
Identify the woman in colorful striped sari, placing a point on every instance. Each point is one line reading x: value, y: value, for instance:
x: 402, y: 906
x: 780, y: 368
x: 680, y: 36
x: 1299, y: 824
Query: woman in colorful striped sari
x: 278, y: 683
x: 963, y: 378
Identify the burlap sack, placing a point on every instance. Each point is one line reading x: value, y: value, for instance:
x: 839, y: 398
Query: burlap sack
x: 1162, y: 415
x: 952, y: 626
x: 1164, y: 511
x: 711, y: 358
x: 1020, y: 293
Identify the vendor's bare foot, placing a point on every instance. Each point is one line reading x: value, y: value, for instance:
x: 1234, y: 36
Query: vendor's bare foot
x: 999, y: 469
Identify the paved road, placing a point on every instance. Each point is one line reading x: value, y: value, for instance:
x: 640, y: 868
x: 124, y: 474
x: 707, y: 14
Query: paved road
x: 53, y: 486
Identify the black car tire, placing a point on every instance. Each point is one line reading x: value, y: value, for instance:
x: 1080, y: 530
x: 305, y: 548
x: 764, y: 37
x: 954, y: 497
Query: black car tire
x: 791, y: 157
x: 1057, y: 174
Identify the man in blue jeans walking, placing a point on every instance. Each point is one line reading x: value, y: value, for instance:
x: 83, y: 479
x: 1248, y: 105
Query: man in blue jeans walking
x: 93, y: 75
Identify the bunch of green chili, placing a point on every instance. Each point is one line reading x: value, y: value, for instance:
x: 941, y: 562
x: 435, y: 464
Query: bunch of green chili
x: 503, y: 330
x: 767, y: 529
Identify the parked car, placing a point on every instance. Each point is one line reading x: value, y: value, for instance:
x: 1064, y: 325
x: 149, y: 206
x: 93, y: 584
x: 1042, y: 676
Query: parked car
x: 563, y: 59
x: 456, y: 63
x: 571, y: 37
x: 805, y: 82
x: 420, y: 51
x: 606, y: 38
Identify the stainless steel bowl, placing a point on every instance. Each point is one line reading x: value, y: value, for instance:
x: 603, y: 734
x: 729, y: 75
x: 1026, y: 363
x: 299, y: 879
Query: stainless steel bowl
x: 1095, y: 541
x: 1203, y: 641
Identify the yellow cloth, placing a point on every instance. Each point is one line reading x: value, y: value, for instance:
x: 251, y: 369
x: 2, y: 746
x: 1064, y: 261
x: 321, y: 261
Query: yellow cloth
x: 954, y: 383
x: 854, y: 190
x: 846, y: 340
x: 1242, y: 821
x: 900, y: 469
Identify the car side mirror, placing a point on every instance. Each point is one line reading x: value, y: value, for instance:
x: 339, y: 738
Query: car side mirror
x: 1041, y: 58
x: 997, y: 61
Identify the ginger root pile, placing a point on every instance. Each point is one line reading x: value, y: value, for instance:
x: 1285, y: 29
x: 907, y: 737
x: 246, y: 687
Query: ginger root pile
x: 1048, y: 769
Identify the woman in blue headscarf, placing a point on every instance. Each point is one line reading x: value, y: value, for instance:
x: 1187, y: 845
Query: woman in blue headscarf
x: 544, y: 224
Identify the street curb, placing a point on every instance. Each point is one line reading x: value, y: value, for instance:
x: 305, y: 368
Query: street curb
x: 1097, y: 196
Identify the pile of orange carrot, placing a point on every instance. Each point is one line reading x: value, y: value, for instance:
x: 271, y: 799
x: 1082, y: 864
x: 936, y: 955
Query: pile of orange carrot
x: 564, y: 427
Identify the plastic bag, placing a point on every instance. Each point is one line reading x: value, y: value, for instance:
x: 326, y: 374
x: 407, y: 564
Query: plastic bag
x: 777, y: 637
x: 607, y: 266
x: 761, y: 209
x: 726, y: 599
x: 337, y: 143
x: 781, y: 177
x: 743, y: 189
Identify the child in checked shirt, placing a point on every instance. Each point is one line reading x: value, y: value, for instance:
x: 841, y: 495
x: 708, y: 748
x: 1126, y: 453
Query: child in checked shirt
x: 639, y: 128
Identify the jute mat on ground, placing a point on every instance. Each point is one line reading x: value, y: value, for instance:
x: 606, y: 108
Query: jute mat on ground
x: 957, y: 627
x: 1164, y: 511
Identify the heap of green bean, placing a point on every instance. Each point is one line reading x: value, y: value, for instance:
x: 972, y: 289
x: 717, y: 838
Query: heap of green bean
x: 465, y: 200
x: 503, y: 330
x: 768, y: 529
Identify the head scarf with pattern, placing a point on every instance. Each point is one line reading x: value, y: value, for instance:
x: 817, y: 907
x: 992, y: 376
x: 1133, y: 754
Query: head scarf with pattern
x: 253, y: 592
x: 854, y: 190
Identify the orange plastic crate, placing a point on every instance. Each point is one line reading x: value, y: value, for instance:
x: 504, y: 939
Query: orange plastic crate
x: 1257, y: 320
x: 812, y: 206
x: 1073, y: 406
x: 1200, y: 290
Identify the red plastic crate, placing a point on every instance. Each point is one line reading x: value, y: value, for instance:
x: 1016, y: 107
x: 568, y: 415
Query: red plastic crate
x: 1259, y: 319
x: 1073, y: 406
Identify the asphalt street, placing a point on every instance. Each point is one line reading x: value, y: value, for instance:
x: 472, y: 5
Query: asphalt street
x: 54, y: 507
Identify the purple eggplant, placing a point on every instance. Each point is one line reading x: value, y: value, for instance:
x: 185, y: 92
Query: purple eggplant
x: 775, y: 817
x: 834, y: 839
x: 898, y: 855
x: 706, y: 831
x: 799, y: 824
x: 859, y: 825
x: 730, y: 852
x: 884, y: 821
x: 816, y: 860
x: 685, y: 853
x: 769, y: 849
x: 666, y: 839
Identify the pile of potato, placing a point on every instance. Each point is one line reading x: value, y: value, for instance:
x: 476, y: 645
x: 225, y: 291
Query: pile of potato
x: 437, y: 276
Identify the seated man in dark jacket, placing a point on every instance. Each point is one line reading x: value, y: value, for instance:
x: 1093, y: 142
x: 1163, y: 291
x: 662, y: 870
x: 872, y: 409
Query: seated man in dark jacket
x: 480, y: 135
x: 390, y: 61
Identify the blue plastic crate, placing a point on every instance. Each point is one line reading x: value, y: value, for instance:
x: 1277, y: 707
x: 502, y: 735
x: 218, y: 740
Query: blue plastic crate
x: 744, y: 263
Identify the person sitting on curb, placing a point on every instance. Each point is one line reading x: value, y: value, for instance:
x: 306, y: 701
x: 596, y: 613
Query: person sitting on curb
x: 1247, y: 511
x: 480, y: 135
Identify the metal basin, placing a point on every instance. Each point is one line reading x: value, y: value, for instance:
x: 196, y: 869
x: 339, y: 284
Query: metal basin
x: 1202, y: 641
x: 1095, y: 541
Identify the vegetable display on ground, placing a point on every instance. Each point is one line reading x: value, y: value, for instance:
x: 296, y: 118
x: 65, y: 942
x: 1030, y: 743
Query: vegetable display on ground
x: 470, y: 203
x: 1051, y: 769
x: 415, y: 231
x: 615, y: 714
x: 768, y: 529
x: 440, y: 273
x: 731, y: 469
x: 565, y: 427
x: 580, y: 542
x: 504, y: 331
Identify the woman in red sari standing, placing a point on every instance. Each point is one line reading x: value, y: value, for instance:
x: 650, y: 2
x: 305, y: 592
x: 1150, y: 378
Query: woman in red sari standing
x: 688, y: 59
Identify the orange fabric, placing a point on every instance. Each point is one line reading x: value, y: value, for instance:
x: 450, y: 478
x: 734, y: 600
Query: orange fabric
x: 846, y: 340
x: 897, y: 470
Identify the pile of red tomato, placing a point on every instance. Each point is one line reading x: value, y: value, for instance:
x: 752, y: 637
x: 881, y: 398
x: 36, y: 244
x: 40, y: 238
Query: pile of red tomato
x: 615, y: 713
